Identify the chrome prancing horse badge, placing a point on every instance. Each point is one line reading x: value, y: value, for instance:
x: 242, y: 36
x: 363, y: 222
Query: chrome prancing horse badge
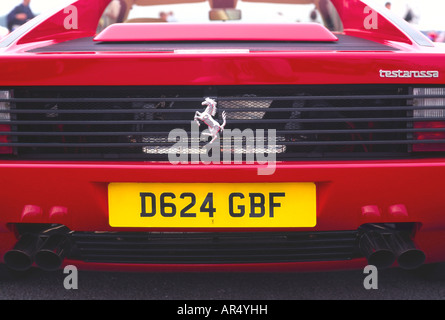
x: 207, y: 118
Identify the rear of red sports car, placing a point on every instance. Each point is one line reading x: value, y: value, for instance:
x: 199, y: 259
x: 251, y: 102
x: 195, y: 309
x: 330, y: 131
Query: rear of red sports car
x: 329, y: 150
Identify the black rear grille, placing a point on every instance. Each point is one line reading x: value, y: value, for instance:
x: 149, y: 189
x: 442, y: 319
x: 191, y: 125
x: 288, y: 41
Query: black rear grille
x: 131, y: 123
x: 214, y: 248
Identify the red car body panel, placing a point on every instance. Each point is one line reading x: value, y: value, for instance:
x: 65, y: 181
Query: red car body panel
x: 228, y: 69
x: 74, y: 193
x: 379, y: 183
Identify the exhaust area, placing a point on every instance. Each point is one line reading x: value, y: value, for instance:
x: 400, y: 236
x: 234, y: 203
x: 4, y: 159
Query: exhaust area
x: 21, y: 257
x: 51, y: 254
x: 47, y: 249
x: 377, y: 250
x: 47, y: 246
x: 382, y: 246
x: 409, y: 257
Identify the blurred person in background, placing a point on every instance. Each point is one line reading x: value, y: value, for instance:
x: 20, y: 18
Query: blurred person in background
x: 313, y: 16
x: 411, y: 16
x: 114, y: 13
x: 19, y: 15
x: 388, y: 5
x: 167, y: 16
x: 433, y: 36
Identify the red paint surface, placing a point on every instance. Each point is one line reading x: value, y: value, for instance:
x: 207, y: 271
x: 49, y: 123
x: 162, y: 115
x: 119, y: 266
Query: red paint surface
x: 343, y: 188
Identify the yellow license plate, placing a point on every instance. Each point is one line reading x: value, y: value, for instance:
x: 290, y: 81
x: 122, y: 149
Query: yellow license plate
x: 212, y: 205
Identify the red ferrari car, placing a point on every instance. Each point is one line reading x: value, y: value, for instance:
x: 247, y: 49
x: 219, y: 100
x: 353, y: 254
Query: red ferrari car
x: 133, y: 144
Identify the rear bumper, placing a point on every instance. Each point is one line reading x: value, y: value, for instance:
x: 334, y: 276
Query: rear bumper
x: 349, y: 194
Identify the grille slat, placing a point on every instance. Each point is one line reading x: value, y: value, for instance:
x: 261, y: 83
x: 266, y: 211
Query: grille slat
x: 159, y: 133
x: 323, y: 109
x: 238, y: 98
x: 133, y: 123
x: 141, y: 144
x: 187, y: 122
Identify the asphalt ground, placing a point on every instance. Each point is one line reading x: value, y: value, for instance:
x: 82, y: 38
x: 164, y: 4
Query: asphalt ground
x: 392, y: 284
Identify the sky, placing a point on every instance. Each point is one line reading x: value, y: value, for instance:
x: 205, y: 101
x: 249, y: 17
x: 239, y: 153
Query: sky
x: 430, y: 13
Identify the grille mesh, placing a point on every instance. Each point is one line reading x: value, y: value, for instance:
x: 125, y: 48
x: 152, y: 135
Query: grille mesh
x: 133, y: 123
x: 214, y: 248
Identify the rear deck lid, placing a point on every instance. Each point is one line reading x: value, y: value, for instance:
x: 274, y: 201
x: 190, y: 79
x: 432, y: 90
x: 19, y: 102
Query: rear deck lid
x: 140, y: 32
